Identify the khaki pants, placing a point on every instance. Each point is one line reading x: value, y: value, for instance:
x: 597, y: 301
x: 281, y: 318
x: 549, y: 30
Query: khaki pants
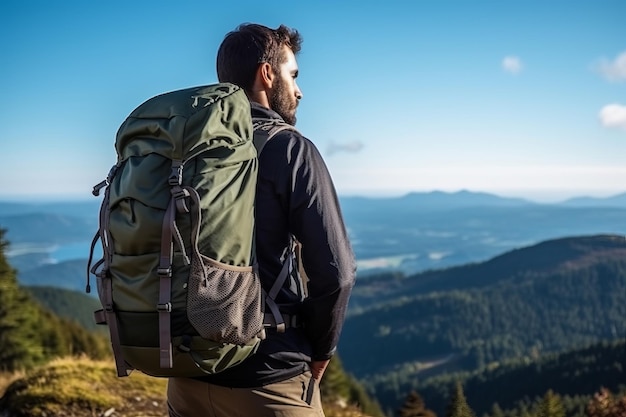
x: 295, y: 397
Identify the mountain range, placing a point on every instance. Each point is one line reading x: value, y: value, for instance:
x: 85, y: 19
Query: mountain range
x: 410, y: 234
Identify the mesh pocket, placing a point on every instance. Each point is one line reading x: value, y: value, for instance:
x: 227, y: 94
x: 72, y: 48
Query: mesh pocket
x: 227, y: 306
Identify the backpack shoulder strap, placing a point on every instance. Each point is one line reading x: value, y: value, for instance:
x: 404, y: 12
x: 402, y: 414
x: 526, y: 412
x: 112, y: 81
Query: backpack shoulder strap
x: 266, y: 129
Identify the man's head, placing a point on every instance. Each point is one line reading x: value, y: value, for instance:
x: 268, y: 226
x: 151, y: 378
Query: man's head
x: 262, y: 62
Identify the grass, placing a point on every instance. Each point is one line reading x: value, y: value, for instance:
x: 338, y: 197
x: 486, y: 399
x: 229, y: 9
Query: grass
x: 6, y: 378
x: 75, y: 387
x: 83, y: 387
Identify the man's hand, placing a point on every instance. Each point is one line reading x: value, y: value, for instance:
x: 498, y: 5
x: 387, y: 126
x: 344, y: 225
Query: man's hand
x: 318, y: 368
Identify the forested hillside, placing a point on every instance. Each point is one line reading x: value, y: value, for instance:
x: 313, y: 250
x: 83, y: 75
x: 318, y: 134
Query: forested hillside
x: 71, y: 305
x: 511, y: 386
x: 550, y: 298
x: 544, y: 257
x: 31, y: 334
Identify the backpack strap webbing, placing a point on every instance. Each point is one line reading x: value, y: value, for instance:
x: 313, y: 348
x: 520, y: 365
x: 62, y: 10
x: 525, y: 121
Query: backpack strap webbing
x: 276, y: 319
x: 264, y: 131
x: 101, y: 270
x: 164, y: 272
x: 170, y: 234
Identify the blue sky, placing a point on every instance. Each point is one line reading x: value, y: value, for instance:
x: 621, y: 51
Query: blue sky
x: 518, y: 98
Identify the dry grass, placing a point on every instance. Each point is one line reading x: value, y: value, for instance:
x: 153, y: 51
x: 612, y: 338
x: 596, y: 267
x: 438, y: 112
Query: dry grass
x: 6, y: 378
x: 77, y: 387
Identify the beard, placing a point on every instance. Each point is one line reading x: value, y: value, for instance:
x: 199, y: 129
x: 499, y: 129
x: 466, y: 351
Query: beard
x: 283, y: 103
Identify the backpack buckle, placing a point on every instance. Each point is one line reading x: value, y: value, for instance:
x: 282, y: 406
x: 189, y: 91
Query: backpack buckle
x: 164, y: 272
x: 176, y: 176
x: 164, y: 307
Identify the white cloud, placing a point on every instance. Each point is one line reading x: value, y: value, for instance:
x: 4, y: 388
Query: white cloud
x: 512, y: 64
x: 613, y: 115
x: 613, y: 70
x: 350, y: 147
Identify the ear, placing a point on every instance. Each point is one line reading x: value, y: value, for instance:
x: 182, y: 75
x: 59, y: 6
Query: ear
x: 263, y: 82
x: 266, y: 75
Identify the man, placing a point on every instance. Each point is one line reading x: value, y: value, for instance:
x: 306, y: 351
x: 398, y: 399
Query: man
x: 295, y: 199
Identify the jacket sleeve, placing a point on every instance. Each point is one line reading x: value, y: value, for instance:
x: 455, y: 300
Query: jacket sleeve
x: 315, y: 219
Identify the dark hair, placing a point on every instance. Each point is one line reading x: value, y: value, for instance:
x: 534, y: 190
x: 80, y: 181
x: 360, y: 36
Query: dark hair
x: 244, y: 49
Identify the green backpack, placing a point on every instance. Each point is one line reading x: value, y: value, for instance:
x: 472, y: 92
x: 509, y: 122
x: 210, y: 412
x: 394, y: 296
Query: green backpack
x: 177, y: 281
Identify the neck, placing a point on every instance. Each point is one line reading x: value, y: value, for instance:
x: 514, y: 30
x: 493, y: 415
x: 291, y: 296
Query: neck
x: 259, y: 96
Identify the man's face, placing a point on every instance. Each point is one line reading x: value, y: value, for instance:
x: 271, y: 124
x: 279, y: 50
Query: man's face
x: 285, y: 93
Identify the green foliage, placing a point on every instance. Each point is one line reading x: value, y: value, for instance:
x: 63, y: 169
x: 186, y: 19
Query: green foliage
x: 364, y: 401
x: 458, y: 406
x: 72, y: 305
x: 19, y: 320
x: 601, y: 404
x: 335, y: 384
x: 339, y: 387
x: 575, y: 374
x: 80, y: 387
x: 30, y: 334
x: 551, y: 406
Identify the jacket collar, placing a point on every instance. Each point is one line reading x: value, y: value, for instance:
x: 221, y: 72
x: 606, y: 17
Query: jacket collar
x: 259, y: 111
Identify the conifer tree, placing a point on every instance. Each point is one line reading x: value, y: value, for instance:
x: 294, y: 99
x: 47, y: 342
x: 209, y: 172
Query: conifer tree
x: 496, y: 410
x: 551, y: 406
x: 414, y: 407
x: 458, y: 406
x: 604, y: 404
x: 339, y: 387
x: 335, y: 384
x: 20, y: 345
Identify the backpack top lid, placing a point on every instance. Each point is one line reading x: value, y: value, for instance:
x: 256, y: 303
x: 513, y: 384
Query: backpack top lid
x: 180, y: 124
x: 202, y: 137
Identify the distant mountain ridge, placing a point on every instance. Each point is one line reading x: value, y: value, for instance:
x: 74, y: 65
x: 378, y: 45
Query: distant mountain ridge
x: 436, y: 198
x: 81, y: 208
x: 618, y: 200
x: 466, y: 198
x: 439, y: 200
